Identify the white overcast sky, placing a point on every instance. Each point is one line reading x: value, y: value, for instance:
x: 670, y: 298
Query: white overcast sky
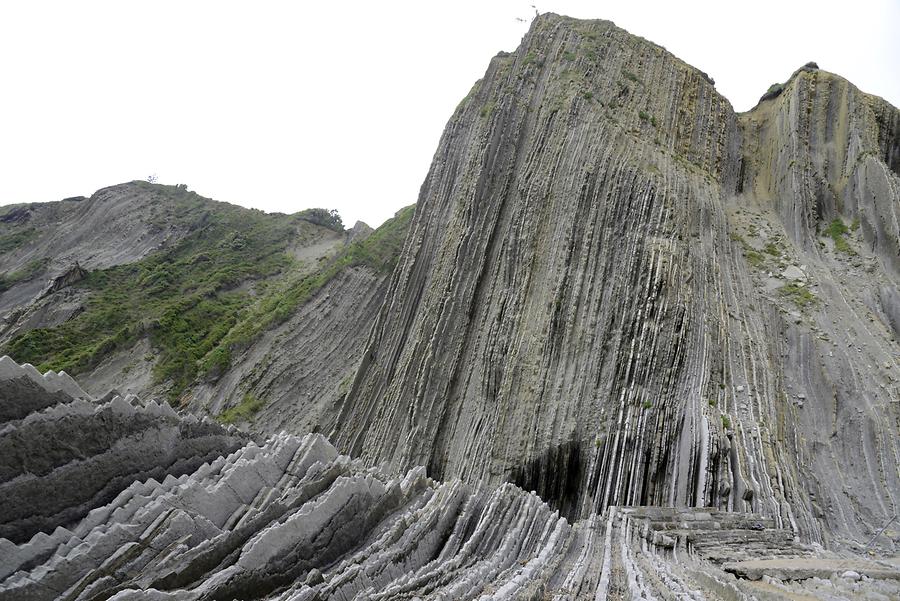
x: 289, y: 105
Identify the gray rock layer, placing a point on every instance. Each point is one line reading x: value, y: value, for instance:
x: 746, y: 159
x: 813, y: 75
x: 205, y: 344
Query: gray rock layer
x: 579, y: 309
x: 292, y: 519
x: 67, y: 455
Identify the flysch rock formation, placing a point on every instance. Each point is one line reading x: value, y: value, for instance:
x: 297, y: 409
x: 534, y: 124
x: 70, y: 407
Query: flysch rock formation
x: 302, y: 368
x: 63, y: 453
x: 290, y: 518
x: 636, y: 345
x: 599, y: 295
x: 116, y: 225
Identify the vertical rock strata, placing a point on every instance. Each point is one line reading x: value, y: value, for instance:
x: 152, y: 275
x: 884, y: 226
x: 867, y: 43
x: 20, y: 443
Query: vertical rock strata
x: 576, y: 309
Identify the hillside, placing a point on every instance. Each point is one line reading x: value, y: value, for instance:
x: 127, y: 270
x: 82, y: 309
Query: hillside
x: 159, y: 288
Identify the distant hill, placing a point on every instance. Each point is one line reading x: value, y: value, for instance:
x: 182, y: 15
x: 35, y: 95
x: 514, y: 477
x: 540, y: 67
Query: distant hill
x: 158, y: 291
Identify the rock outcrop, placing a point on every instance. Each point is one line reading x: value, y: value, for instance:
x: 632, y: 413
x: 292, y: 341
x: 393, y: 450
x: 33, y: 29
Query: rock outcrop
x: 292, y: 519
x: 635, y: 345
x: 250, y: 264
x: 63, y: 453
x: 590, y: 304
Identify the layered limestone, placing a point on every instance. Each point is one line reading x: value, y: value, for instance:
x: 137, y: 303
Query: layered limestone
x: 302, y: 369
x: 292, y: 519
x: 64, y: 453
x: 617, y: 291
x: 636, y: 345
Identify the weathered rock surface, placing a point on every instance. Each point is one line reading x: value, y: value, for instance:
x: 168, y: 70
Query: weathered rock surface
x: 175, y: 223
x: 116, y: 225
x: 303, y: 368
x: 676, y: 325
x: 589, y: 301
x: 63, y: 454
x: 293, y: 519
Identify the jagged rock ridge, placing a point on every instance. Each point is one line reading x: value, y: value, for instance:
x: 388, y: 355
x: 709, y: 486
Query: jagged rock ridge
x: 292, y: 519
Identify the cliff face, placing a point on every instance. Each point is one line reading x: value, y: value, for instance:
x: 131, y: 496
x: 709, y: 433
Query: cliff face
x: 615, y: 290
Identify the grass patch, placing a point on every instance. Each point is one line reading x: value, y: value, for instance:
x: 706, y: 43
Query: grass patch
x: 243, y: 411
x: 755, y: 258
x: 726, y: 422
x: 629, y: 75
x: 837, y: 231
x: 772, y: 249
x: 798, y: 295
x: 379, y: 251
x: 30, y: 271
x: 13, y: 240
x: 643, y: 116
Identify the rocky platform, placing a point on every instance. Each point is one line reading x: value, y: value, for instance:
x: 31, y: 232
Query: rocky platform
x: 291, y: 518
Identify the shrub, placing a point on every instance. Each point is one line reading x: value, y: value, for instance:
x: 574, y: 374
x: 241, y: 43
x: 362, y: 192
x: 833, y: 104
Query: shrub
x: 324, y: 217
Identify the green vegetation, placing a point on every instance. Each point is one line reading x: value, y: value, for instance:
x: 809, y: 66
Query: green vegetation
x: 186, y: 299
x: 855, y: 225
x: 755, y: 258
x: 653, y: 122
x: 726, y: 422
x: 379, y: 251
x: 330, y: 219
x: 588, y: 95
x: 486, y: 110
x: 798, y: 295
x: 30, y: 271
x: 772, y: 249
x: 529, y: 58
x: 648, y: 404
x: 643, y: 116
x: 243, y: 411
x: 837, y: 231
x: 13, y: 240
x: 569, y: 56
x: 629, y: 75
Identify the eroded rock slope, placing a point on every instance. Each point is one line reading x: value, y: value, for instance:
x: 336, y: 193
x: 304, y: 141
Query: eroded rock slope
x: 615, y: 290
